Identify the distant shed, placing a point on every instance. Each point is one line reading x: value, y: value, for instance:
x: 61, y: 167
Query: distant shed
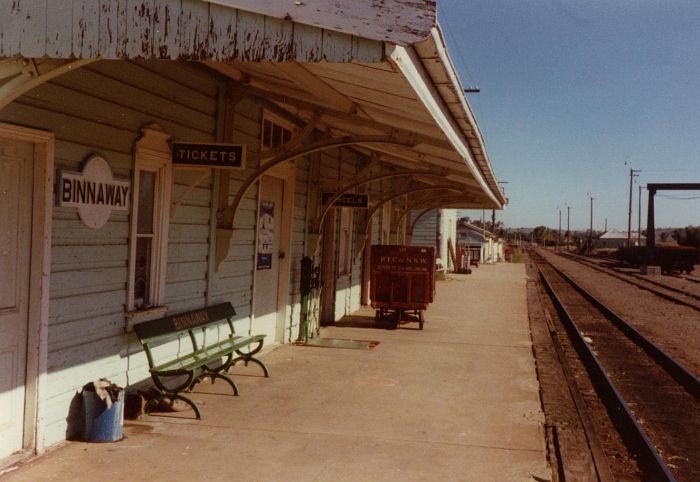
x: 618, y: 239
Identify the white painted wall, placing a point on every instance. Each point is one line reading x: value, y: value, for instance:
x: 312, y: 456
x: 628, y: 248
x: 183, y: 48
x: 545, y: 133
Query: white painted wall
x: 426, y: 229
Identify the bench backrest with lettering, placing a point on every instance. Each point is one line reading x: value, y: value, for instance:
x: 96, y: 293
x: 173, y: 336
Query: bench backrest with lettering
x: 162, y: 329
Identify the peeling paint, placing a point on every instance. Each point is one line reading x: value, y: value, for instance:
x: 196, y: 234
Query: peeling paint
x: 187, y: 29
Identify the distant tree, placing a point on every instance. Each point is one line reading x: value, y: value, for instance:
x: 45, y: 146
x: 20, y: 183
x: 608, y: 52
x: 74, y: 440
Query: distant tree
x: 544, y: 236
x: 463, y: 221
x: 688, y: 236
x: 663, y: 237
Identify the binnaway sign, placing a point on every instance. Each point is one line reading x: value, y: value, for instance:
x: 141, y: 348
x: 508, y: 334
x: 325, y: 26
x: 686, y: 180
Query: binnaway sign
x: 95, y: 192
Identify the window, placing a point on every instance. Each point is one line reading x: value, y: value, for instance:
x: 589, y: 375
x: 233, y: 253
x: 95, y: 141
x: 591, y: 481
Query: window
x: 275, y: 133
x: 149, y: 221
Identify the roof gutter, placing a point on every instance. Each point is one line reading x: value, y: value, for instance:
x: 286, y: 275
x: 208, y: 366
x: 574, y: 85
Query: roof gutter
x: 409, y: 64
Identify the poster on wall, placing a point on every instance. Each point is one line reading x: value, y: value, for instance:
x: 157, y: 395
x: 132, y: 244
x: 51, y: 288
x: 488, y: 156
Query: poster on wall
x: 266, y: 234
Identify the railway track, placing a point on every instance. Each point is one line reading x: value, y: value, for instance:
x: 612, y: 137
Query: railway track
x: 663, y: 290
x: 691, y: 278
x: 654, y: 402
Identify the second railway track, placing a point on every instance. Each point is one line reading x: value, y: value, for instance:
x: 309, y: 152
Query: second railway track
x: 663, y: 290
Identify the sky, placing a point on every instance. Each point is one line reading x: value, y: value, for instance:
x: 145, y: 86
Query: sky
x: 575, y: 93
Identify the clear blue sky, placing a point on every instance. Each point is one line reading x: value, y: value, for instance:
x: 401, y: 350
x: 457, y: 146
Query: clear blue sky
x: 571, y: 91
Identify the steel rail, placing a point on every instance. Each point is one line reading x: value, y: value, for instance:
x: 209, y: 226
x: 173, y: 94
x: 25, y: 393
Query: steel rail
x: 600, y: 267
x: 678, y: 372
x: 640, y: 442
x: 693, y: 279
x: 600, y: 462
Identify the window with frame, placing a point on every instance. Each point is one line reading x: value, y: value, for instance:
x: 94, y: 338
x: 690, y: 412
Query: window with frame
x: 149, y: 221
x: 274, y: 132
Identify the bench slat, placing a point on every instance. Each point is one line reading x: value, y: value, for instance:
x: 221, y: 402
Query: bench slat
x: 206, y: 355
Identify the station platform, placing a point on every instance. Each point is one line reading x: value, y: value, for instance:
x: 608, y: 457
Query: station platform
x: 458, y: 400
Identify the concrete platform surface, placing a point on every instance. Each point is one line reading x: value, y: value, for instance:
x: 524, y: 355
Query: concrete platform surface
x: 456, y: 401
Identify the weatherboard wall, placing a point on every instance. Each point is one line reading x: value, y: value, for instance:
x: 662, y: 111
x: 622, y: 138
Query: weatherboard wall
x: 101, y: 109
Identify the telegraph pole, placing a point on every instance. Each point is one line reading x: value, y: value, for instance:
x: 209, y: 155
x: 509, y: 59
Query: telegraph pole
x: 568, y: 232
x: 639, y: 217
x: 559, y: 233
x: 590, y: 229
x: 633, y: 173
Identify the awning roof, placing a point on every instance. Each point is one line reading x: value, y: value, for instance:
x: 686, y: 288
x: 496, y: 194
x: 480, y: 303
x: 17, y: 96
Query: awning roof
x: 365, y: 67
x: 413, y: 90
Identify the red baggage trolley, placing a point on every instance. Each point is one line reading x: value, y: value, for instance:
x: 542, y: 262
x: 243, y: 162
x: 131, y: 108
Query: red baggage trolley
x: 402, y: 281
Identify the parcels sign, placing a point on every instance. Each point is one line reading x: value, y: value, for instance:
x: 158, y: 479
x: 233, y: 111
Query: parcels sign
x: 347, y: 200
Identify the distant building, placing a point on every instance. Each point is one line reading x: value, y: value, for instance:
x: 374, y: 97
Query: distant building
x: 618, y: 239
x: 480, y: 244
x: 437, y: 228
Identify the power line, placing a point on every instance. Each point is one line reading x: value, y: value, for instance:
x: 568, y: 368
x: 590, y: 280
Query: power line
x: 457, y: 48
x: 678, y: 198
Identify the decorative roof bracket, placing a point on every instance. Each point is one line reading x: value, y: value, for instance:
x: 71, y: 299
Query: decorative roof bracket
x: 284, y: 154
x: 395, y: 195
x: 19, y: 75
x: 316, y: 226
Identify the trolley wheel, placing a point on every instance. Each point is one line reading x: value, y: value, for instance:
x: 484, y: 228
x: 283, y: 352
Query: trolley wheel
x: 420, y: 320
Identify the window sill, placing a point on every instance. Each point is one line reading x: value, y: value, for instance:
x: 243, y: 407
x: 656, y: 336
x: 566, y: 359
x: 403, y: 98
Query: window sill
x: 147, y: 314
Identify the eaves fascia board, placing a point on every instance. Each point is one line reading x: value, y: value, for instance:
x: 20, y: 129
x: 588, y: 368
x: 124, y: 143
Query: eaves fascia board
x: 409, y: 64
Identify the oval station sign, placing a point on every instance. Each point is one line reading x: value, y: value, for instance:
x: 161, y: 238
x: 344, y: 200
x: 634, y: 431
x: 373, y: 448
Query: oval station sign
x: 94, y: 192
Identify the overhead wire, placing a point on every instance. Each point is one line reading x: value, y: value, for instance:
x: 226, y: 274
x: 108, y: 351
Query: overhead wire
x: 457, y: 47
x: 679, y: 198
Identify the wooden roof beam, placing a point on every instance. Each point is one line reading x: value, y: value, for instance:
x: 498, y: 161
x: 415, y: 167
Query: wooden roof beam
x: 289, y: 98
x: 312, y: 84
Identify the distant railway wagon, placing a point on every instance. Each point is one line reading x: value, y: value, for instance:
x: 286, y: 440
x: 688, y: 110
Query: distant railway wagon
x: 671, y: 259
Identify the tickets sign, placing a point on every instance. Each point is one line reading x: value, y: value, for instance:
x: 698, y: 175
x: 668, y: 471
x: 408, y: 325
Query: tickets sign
x: 220, y: 156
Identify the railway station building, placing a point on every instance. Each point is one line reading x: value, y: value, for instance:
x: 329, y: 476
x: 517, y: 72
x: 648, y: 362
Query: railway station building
x: 158, y: 157
x: 438, y: 228
x: 482, y: 245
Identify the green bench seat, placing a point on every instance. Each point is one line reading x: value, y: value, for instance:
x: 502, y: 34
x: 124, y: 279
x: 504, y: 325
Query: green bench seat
x: 204, y: 360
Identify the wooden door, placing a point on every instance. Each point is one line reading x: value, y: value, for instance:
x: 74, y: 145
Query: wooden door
x: 268, y: 256
x: 16, y: 173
